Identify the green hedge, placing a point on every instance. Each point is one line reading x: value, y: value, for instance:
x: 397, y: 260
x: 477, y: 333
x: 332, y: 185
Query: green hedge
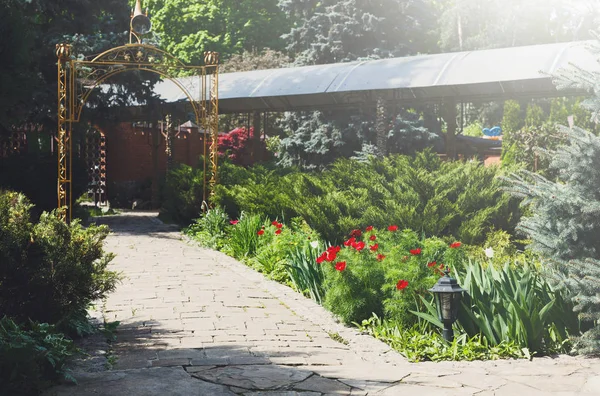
x: 457, y: 199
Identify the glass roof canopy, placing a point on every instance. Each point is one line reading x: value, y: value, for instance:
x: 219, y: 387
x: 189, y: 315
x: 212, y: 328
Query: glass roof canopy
x: 461, y: 76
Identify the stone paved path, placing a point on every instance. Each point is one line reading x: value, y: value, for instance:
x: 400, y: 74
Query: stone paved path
x: 196, y: 322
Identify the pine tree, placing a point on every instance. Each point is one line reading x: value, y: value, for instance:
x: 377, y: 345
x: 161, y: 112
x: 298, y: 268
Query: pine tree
x: 332, y: 31
x: 565, y: 212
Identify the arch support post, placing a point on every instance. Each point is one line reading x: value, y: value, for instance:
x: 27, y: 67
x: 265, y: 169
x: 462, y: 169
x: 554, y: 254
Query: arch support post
x: 64, y: 130
x: 212, y: 59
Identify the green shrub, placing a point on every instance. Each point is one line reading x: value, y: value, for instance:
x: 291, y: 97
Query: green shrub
x: 182, y: 194
x: 256, y: 190
x: 419, y: 343
x: 374, y: 263
x: 210, y: 229
x: 31, y: 359
x: 49, y: 271
x: 460, y: 200
x: 276, y: 245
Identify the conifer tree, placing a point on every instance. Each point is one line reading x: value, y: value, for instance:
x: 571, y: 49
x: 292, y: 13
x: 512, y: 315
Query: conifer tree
x: 564, y: 224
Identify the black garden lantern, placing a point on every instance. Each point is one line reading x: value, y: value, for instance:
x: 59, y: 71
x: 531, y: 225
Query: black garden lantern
x: 447, y: 294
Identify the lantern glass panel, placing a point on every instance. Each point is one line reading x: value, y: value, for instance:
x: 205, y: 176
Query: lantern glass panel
x: 447, y: 306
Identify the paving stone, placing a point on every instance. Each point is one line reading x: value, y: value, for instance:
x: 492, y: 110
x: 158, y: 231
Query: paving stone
x: 182, y: 354
x: 567, y: 383
x: 592, y: 384
x: 155, y: 381
x: 324, y: 385
x: 248, y: 360
x: 254, y: 377
x: 170, y: 362
x: 282, y: 393
x: 210, y: 361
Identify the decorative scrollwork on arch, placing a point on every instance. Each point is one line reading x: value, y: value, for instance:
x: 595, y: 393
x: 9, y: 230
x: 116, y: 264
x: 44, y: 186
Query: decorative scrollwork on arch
x: 139, y: 54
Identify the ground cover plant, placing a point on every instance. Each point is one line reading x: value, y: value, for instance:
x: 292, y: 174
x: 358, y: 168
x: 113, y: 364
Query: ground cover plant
x: 421, y: 343
x: 31, y: 358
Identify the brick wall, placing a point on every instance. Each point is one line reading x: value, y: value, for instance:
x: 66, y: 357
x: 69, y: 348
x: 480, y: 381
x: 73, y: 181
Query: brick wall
x: 129, y: 152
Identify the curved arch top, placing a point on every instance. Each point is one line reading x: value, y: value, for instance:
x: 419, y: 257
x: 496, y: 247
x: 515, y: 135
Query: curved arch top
x: 82, y: 96
x: 139, y: 54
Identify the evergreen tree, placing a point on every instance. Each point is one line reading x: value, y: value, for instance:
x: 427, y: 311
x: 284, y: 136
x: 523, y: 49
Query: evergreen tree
x: 333, y: 31
x: 319, y: 139
x: 408, y: 134
x: 565, y: 212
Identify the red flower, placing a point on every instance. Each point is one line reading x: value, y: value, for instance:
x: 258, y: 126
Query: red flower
x: 441, y: 267
x: 233, y: 222
x: 393, y: 228
x: 402, y: 284
x: 278, y: 231
x: 350, y: 242
x: 321, y: 258
x: 340, y: 266
x: 359, y: 246
x: 374, y: 247
x: 279, y: 225
x: 372, y: 237
x: 432, y: 264
x: 330, y: 255
x: 455, y: 245
x: 415, y: 252
x: 369, y: 228
x: 335, y: 249
x: 260, y: 232
x: 274, y: 222
x: 356, y: 233
x: 380, y: 257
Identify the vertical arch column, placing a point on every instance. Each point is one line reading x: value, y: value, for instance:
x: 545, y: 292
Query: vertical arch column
x: 65, y: 127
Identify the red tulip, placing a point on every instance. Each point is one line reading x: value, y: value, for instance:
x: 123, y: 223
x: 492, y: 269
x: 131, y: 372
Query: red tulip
x: 402, y: 284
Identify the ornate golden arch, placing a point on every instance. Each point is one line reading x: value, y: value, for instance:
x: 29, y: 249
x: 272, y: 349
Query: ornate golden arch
x: 77, y: 79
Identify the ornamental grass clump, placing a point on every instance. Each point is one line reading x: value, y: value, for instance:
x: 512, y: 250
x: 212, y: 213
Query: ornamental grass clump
x: 383, y: 272
x: 511, y: 304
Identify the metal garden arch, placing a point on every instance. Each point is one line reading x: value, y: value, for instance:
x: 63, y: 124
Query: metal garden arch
x: 78, y: 78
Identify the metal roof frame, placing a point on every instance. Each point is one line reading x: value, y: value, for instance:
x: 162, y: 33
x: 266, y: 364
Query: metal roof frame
x: 484, y: 75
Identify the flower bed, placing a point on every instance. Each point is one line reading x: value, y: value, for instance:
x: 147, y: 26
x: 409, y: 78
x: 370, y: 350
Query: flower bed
x: 378, y: 279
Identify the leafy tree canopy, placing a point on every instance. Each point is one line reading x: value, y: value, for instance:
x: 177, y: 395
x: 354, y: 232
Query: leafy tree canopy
x: 480, y: 24
x: 187, y: 28
x: 29, y: 31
